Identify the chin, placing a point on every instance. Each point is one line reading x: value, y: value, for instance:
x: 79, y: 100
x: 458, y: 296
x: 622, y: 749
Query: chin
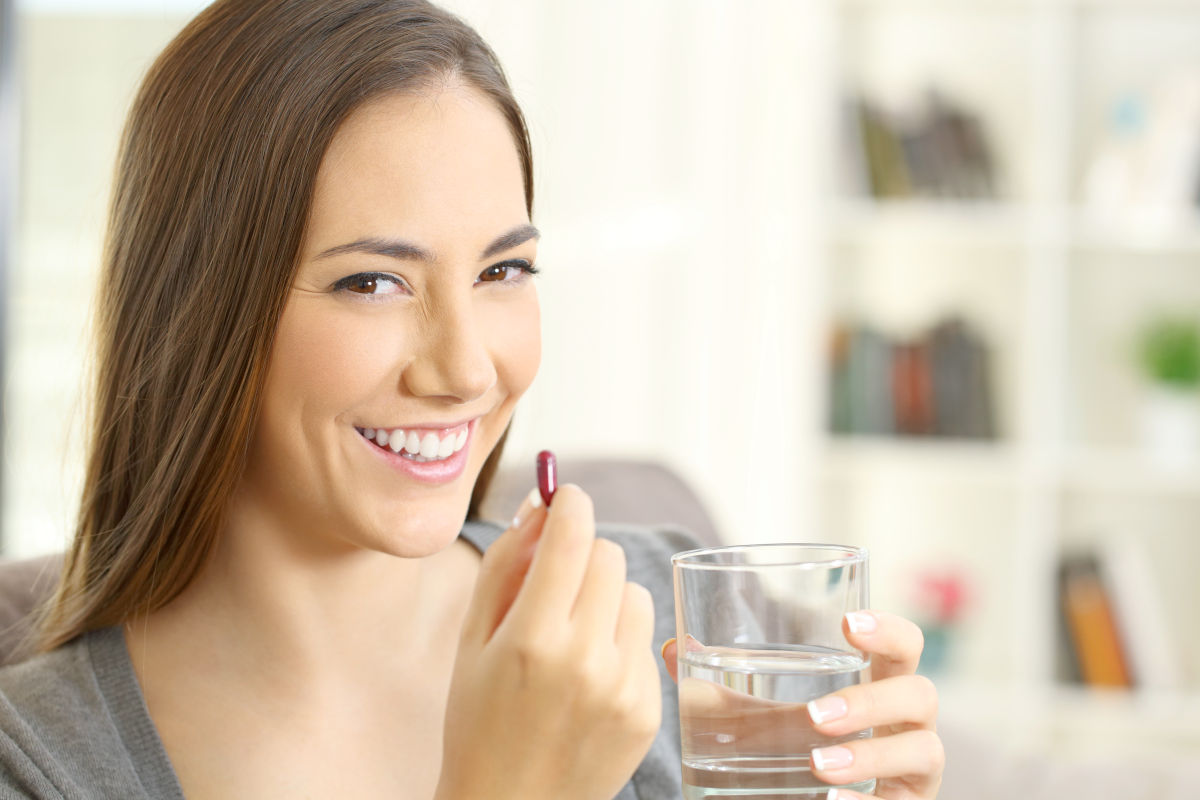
x: 418, y: 537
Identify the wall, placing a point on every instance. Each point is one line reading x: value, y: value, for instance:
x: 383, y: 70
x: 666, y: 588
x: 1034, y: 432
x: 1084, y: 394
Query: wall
x: 672, y: 144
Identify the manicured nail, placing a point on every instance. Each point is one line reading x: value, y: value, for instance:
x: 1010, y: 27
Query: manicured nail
x: 834, y: 794
x: 862, y: 622
x: 829, y: 758
x: 532, y: 500
x: 666, y: 644
x: 827, y: 709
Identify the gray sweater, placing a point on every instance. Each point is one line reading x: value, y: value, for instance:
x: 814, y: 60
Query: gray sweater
x: 74, y: 724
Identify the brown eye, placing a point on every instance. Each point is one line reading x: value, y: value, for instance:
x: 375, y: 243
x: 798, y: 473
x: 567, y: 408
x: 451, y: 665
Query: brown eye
x: 373, y: 285
x: 496, y: 273
x: 512, y: 271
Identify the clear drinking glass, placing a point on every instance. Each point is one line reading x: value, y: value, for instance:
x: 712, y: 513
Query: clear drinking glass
x: 760, y: 634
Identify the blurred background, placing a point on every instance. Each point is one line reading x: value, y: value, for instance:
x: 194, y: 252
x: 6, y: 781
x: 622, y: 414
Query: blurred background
x: 922, y: 276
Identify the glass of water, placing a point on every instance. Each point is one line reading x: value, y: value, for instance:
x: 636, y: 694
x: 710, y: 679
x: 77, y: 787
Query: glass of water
x: 759, y: 631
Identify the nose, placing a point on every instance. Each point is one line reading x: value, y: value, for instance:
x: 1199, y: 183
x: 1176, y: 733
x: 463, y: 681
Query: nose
x: 452, y: 362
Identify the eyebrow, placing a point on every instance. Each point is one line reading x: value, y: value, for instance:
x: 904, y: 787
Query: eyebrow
x: 407, y: 251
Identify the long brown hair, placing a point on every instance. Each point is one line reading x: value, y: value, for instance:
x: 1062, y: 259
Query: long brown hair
x: 212, y: 191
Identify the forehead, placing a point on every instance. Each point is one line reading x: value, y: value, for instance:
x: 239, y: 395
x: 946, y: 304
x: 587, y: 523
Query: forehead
x: 426, y: 165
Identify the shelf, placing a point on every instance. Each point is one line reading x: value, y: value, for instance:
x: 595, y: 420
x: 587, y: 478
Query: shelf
x: 1126, y: 471
x: 940, y: 5
x: 958, y: 222
x: 1113, y: 471
x: 1012, y: 225
x: 1066, y: 711
x: 852, y: 457
x: 1144, y: 233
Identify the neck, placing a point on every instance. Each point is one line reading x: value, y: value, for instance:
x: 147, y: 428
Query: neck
x: 290, y: 610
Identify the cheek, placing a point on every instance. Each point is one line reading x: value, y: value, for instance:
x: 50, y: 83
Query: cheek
x: 322, y: 360
x: 519, y: 353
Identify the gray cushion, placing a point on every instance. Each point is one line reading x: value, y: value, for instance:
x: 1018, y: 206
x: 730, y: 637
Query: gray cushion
x: 636, y: 492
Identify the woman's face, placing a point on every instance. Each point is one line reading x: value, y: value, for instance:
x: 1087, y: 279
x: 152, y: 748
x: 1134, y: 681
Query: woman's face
x: 412, y: 319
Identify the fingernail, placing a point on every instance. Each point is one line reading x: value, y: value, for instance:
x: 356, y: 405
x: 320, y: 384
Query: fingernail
x: 532, y: 500
x: 862, y: 622
x: 834, y: 794
x: 827, y: 758
x: 666, y: 644
x: 827, y: 709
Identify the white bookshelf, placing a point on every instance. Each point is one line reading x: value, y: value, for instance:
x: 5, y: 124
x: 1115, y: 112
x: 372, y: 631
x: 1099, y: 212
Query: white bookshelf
x: 1055, y: 291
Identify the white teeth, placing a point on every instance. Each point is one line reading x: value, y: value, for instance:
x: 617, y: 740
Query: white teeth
x: 415, y: 446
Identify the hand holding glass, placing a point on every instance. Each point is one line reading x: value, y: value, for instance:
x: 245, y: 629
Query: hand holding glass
x: 760, y: 632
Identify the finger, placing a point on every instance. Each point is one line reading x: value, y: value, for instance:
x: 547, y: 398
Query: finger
x: 846, y: 794
x: 910, y: 701
x: 917, y: 756
x: 635, y: 625
x: 501, y: 574
x: 895, y: 643
x: 670, y: 654
x: 548, y: 595
x: 599, y: 602
x: 650, y: 696
x: 532, y: 500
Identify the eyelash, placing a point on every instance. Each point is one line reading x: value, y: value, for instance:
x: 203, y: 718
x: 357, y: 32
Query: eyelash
x: 343, y: 286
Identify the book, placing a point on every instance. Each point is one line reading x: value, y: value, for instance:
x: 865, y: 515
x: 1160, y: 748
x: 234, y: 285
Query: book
x: 960, y: 379
x: 912, y: 389
x: 1091, y: 623
x: 1139, y: 612
x: 840, y: 417
x: 869, y: 383
x: 883, y: 153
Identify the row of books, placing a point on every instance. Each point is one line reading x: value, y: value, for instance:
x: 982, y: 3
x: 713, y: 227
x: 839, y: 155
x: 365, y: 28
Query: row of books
x: 1113, y: 629
x: 936, y: 149
x: 938, y: 384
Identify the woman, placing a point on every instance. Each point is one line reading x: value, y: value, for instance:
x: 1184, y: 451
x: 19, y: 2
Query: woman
x: 317, y: 314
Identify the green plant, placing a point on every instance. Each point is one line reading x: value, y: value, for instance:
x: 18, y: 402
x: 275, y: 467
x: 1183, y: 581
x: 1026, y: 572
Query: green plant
x: 1169, y: 348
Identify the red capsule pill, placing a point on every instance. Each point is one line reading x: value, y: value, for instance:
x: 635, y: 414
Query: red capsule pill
x: 547, y: 475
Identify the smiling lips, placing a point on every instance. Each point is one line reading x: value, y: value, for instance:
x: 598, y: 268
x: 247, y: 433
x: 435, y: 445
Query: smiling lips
x: 418, y: 445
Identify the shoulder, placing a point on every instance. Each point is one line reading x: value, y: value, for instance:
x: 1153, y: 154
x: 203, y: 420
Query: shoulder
x: 45, y: 687
x: 48, y: 704
x: 56, y: 728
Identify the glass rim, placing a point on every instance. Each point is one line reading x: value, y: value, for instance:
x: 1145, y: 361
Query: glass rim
x: 854, y: 555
